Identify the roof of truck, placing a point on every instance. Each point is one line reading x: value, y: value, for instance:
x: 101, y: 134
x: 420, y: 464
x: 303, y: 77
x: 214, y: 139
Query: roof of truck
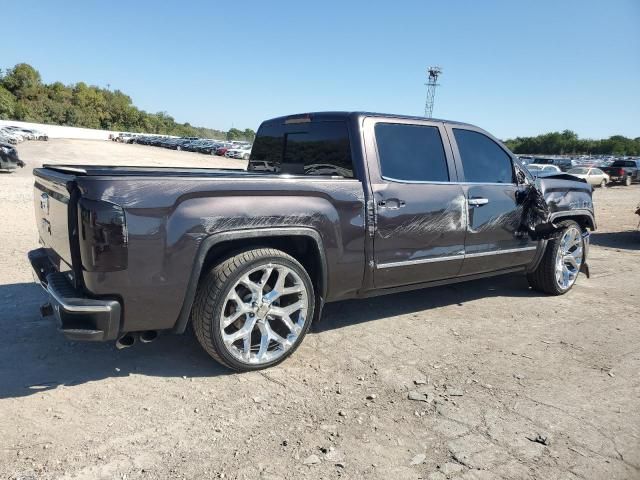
x: 335, y: 116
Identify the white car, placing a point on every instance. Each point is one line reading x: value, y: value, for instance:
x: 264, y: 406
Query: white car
x: 593, y: 176
x: 542, y: 170
x: 243, y: 152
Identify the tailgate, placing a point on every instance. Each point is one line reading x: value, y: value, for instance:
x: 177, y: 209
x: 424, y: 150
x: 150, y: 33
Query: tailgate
x: 52, y: 202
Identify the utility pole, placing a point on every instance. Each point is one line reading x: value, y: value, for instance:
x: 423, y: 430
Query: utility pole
x: 432, y: 82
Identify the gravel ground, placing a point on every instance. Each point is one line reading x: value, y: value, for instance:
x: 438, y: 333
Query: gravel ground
x: 480, y: 380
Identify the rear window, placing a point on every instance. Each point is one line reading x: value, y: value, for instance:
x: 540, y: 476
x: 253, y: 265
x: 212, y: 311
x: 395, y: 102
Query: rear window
x: 311, y: 148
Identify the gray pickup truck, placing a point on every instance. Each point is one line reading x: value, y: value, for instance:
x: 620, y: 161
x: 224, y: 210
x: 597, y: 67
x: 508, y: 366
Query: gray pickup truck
x: 332, y: 206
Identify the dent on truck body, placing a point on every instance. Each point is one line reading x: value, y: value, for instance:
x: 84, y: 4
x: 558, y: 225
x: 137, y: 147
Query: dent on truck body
x: 554, y: 197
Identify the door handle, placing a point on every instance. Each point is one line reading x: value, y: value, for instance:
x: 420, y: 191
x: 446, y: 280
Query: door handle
x: 391, y: 203
x: 477, y: 202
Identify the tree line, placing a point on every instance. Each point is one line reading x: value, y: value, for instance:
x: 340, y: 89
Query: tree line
x: 567, y: 142
x: 24, y: 97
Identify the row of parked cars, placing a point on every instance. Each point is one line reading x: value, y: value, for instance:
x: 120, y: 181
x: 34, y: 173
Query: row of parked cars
x: 229, y: 149
x: 599, y: 172
x: 14, y: 135
x: 10, y: 136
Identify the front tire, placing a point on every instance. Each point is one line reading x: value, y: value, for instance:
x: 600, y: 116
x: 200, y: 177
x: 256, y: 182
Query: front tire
x: 603, y: 183
x: 253, y: 309
x: 559, y: 268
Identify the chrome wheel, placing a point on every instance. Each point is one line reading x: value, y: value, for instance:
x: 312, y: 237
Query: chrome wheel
x: 603, y: 184
x: 264, y: 314
x: 569, y: 258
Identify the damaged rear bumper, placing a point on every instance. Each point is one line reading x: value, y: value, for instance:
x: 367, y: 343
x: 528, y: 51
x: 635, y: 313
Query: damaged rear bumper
x: 79, y: 317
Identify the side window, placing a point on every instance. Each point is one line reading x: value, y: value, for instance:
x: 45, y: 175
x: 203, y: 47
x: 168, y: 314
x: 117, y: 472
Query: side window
x: 482, y: 159
x: 411, y: 152
x: 313, y: 148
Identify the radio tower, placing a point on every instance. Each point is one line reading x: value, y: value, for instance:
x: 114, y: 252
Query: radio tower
x: 432, y: 82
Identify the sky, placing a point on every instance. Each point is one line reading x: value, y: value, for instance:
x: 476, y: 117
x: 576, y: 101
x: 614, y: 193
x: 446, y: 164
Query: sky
x: 515, y: 68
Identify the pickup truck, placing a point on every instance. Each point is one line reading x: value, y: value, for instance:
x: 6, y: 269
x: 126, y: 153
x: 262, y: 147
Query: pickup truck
x: 623, y: 171
x: 332, y: 206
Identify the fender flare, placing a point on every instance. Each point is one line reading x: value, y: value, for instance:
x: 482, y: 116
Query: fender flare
x: 581, y: 212
x: 209, y: 242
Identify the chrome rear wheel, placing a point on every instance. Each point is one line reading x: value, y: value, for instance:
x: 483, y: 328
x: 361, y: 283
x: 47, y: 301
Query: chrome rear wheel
x: 264, y: 313
x: 253, y: 309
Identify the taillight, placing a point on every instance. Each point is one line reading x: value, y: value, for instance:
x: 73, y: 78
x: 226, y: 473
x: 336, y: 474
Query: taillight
x: 621, y: 171
x: 102, y: 232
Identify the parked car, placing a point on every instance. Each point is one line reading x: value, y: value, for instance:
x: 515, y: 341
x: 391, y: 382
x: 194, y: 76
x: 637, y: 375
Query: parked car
x: 243, y: 152
x: 623, y: 171
x: 542, y: 170
x: 9, y: 159
x: 563, y: 164
x: 249, y: 258
x: 593, y: 176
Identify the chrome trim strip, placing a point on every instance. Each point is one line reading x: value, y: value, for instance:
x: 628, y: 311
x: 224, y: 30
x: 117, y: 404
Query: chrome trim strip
x: 499, y: 252
x: 406, y: 263
x: 75, y: 308
x: 419, y: 261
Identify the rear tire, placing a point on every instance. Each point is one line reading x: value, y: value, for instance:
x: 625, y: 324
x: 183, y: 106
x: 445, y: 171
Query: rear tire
x: 603, y: 183
x: 627, y: 181
x: 253, y: 309
x: 560, y: 265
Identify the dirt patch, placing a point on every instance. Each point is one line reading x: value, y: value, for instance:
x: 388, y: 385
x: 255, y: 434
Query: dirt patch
x: 480, y: 380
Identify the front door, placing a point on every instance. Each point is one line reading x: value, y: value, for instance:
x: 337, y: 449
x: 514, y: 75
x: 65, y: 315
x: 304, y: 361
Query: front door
x: 494, y: 238
x: 420, y: 212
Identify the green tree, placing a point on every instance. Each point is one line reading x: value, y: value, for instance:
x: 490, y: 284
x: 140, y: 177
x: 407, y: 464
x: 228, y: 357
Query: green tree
x: 7, y: 104
x: 22, y: 80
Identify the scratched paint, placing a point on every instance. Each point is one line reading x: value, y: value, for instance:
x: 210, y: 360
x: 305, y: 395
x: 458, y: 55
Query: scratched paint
x: 224, y: 223
x: 450, y: 218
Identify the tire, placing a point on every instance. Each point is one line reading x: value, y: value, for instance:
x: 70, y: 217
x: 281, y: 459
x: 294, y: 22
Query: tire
x: 242, y: 292
x: 627, y: 181
x: 245, y: 157
x: 603, y: 183
x: 545, y: 277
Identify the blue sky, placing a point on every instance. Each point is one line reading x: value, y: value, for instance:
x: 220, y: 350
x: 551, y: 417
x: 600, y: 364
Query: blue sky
x: 512, y: 67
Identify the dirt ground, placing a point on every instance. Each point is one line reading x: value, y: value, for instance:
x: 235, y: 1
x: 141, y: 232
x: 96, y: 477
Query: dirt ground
x: 479, y: 380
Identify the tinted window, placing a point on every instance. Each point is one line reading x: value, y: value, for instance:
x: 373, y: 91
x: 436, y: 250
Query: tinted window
x: 482, y: 159
x: 411, y: 152
x: 312, y: 148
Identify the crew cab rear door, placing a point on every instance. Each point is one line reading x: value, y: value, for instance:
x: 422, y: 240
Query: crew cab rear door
x: 419, y: 209
x: 493, y: 239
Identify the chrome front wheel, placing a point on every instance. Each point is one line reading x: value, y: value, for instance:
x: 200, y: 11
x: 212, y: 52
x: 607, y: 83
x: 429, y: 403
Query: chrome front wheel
x: 569, y: 258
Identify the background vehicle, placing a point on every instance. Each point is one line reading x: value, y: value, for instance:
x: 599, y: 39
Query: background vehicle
x: 542, y: 170
x: 9, y: 158
x: 563, y: 164
x: 250, y: 257
x: 593, y: 176
x: 623, y: 171
x: 243, y: 152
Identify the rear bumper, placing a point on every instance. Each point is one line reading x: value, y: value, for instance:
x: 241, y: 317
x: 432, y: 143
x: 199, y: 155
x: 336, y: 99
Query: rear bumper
x: 79, y: 317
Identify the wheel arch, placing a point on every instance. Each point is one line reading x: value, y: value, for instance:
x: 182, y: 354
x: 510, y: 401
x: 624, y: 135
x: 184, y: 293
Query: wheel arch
x: 584, y: 218
x: 302, y: 243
